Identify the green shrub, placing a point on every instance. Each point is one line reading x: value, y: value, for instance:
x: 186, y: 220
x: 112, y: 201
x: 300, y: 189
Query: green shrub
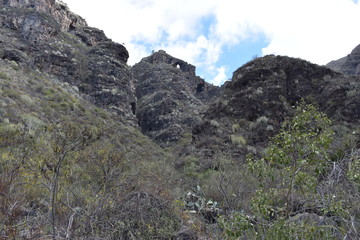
x: 214, y: 123
x: 11, y: 93
x: 288, y: 177
x: 238, y: 140
x: 4, y: 76
x: 192, y: 166
x: 235, y: 128
x: 353, y: 172
x: 260, y: 122
x: 26, y: 99
x: 47, y: 91
x: 242, y: 226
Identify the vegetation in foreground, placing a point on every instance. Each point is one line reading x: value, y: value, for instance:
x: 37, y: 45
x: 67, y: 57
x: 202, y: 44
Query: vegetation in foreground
x: 70, y: 170
x: 302, y: 192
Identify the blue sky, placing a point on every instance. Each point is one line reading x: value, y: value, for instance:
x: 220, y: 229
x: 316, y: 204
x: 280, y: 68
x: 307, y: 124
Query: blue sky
x: 218, y: 36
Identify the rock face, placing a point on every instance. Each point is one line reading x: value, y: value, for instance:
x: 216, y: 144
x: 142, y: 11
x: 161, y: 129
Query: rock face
x: 171, y: 98
x: 349, y: 65
x: 262, y: 94
x: 45, y: 35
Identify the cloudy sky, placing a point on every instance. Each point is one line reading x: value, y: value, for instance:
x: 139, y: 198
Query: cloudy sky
x: 218, y: 36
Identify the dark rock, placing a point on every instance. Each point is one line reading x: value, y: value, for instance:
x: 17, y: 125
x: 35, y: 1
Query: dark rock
x: 186, y: 234
x: 111, y: 50
x: 14, y: 55
x: 46, y: 35
x: 171, y: 98
x: 90, y: 36
x: 262, y: 95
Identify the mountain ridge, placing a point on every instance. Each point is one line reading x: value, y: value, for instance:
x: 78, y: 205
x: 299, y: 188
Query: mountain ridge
x: 54, y: 40
x: 170, y: 96
x: 349, y: 65
x: 91, y: 148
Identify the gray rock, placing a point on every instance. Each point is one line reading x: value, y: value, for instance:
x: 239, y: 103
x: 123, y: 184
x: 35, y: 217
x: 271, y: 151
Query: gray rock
x: 349, y: 65
x: 261, y: 96
x: 171, y: 98
x: 47, y: 36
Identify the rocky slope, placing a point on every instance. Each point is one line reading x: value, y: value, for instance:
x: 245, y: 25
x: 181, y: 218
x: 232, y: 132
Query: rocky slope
x: 66, y: 90
x: 349, y: 65
x: 171, y: 98
x: 46, y: 36
x: 262, y: 94
x: 91, y: 148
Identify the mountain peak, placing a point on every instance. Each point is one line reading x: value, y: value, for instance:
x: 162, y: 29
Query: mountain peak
x: 162, y: 57
x: 66, y: 19
x: 349, y: 65
x: 74, y: 164
x: 170, y: 97
x: 45, y: 35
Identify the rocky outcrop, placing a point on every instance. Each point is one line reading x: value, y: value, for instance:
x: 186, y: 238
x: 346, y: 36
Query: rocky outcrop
x: 63, y: 17
x: 261, y: 96
x: 46, y: 35
x: 349, y: 65
x: 171, y: 98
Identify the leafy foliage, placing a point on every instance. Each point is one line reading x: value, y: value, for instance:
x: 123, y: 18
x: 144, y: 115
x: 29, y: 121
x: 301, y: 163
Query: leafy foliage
x: 66, y: 167
x: 289, y: 202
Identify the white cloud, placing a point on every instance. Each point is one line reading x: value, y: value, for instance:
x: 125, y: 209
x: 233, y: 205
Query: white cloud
x: 315, y: 30
x: 220, y: 76
x: 318, y: 31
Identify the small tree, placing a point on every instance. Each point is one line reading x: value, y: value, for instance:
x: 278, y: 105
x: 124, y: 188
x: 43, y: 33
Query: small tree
x: 300, y: 152
x: 54, y: 151
x: 288, y: 176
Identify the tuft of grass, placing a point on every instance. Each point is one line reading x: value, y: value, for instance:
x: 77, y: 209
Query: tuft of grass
x: 238, y: 140
x: 11, y: 93
x: 26, y: 99
x: 4, y: 76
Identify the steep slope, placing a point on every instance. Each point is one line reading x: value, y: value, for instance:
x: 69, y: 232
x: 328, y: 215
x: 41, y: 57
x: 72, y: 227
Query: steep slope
x: 45, y: 35
x: 349, y: 65
x: 171, y: 98
x: 261, y: 96
x: 73, y: 162
x: 75, y: 165
x: 51, y: 134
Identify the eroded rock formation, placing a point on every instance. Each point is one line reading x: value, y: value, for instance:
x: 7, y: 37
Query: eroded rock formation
x: 46, y: 35
x: 171, y: 98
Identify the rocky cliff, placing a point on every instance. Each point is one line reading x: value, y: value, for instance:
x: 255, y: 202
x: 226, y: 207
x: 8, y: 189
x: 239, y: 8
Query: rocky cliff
x: 47, y: 36
x: 262, y: 94
x: 349, y: 65
x: 171, y: 98
x: 91, y: 148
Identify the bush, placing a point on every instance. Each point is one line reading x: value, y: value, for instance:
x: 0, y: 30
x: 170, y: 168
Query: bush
x: 238, y: 140
x: 27, y: 100
x: 4, y: 76
x: 354, y: 167
x: 293, y: 167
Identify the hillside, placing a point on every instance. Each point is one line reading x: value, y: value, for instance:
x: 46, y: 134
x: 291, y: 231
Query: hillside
x: 92, y: 148
x: 262, y: 95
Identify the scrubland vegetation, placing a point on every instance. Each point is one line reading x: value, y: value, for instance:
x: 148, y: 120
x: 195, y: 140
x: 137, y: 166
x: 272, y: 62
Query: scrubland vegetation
x: 71, y: 170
